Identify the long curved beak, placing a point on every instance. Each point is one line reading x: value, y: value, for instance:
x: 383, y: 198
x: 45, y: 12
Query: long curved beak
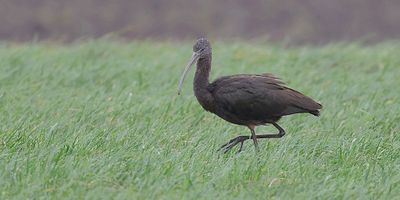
x: 194, y: 58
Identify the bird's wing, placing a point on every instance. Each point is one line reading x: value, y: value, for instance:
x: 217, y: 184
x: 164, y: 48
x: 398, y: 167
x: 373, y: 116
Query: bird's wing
x: 267, y: 78
x: 258, y: 97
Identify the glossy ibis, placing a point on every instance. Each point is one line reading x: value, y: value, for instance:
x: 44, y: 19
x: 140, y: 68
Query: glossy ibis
x: 244, y: 99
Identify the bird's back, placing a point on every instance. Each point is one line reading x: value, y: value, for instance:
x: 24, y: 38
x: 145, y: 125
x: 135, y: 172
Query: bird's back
x: 258, y: 99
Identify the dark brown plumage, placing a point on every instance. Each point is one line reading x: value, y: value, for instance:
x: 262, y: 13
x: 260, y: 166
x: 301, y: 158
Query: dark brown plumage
x: 245, y: 99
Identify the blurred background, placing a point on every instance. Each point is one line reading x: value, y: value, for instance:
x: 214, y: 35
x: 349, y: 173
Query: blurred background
x: 292, y: 21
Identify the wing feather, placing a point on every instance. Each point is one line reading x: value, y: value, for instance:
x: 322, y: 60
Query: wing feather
x: 257, y: 97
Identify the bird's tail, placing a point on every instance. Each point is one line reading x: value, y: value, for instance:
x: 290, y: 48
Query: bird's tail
x: 315, y: 112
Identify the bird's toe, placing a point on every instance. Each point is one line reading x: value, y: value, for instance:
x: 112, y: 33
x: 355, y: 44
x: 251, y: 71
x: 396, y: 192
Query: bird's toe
x: 233, y: 142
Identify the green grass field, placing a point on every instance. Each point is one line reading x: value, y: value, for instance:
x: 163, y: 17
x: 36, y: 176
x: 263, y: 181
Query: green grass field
x: 101, y: 119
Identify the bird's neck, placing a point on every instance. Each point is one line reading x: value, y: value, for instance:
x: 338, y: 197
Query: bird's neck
x: 201, y: 82
x: 201, y: 78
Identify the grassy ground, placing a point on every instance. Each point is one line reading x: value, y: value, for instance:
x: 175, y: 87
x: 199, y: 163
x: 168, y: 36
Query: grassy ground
x: 101, y: 120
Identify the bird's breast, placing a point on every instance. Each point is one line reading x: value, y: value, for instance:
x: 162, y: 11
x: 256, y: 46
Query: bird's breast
x: 205, y: 99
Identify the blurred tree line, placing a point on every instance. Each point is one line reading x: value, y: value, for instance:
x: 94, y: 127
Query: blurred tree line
x: 297, y: 21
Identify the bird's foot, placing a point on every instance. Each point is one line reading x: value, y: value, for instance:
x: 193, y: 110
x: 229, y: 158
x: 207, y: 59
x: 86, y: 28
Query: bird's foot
x: 233, y: 142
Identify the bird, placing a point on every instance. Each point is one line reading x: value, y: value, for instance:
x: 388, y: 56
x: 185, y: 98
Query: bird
x: 244, y: 99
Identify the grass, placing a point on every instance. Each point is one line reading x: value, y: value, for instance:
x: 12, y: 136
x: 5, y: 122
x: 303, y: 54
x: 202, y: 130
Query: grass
x: 101, y: 119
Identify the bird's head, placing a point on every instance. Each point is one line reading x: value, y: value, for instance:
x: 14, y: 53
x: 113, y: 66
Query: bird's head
x: 201, y: 49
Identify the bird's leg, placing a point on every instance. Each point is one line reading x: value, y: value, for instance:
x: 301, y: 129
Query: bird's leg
x: 279, y: 135
x: 241, y: 146
x: 254, y: 136
x: 233, y: 142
